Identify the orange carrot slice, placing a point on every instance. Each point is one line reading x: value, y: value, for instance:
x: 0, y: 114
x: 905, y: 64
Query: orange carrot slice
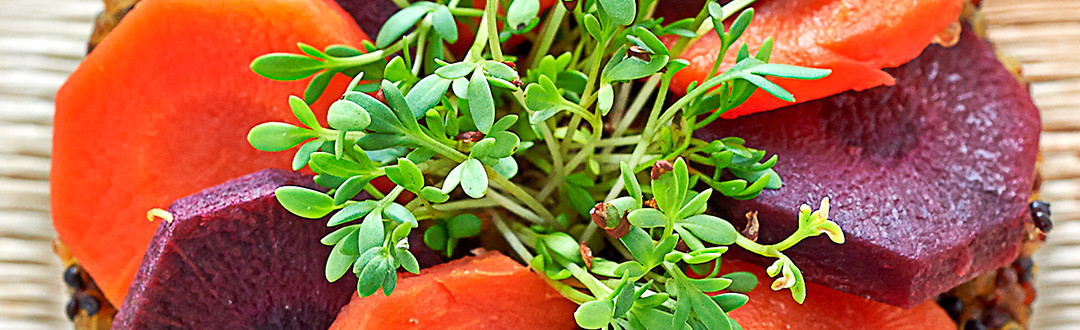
x: 161, y: 109
x: 855, y: 39
x: 489, y: 291
x: 826, y: 308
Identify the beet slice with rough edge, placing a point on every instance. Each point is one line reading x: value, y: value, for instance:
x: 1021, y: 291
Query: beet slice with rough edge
x: 929, y: 179
x: 233, y: 258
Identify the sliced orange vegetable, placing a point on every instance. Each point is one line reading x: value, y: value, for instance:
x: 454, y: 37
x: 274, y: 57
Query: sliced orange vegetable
x: 161, y: 109
x: 855, y: 39
x: 489, y: 291
x: 826, y: 308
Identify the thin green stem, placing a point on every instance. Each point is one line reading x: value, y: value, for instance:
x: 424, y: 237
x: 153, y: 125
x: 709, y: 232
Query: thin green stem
x: 491, y: 11
x: 594, y: 285
x: 547, y: 33
x: 520, y: 194
x: 511, y: 238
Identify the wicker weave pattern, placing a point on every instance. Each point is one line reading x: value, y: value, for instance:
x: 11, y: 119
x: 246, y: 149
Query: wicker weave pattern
x: 42, y: 41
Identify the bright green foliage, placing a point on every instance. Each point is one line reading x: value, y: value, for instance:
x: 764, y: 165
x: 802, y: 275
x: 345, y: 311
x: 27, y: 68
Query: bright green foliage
x: 541, y: 137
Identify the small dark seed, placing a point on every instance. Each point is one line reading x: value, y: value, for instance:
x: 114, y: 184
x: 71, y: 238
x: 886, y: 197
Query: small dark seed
x: 470, y: 136
x: 997, y: 318
x: 952, y: 305
x: 974, y: 325
x: 1006, y: 276
x: 1040, y: 215
x: 659, y: 168
x: 88, y: 303
x: 73, y: 278
x: 72, y: 308
x: 639, y: 53
x: 1024, y: 267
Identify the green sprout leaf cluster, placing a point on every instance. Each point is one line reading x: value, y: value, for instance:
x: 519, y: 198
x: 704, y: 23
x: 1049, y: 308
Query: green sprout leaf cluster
x: 574, y: 152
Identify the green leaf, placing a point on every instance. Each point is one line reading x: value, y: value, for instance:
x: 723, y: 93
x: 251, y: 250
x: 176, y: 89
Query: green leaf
x: 407, y: 260
x: 336, y: 236
x: 620, y: 12
x: 625, y: 297
x: 499, y: 70
x: 730, y: 301
x: 711, y: 284
x: 456, y: 70
x: 402, y: 21
x: 371, y: 230
x: 304, y: 202
x: 665, y: 191
x: 629, y: 268
x: 347, y: 116
x: 580, y: 199
x: 789, y: 71
x: 710, y: 229
x: 460, y: 87
x: 390, y: 281
x: 594, y: 314
x: 505, y: 144
x: 482, y: 148
x: 631, y: 68
x: 560, y: 244
x: 521, y: 13
x: 304, y: 153
x: 379, y: 141
x: 399, y: 105
x: 452, y: 178
x: 544, y: 99
x: 706, y: 309
x: 504, y: 123
x: 695, y: 206
x: 592, y: 26
x: 464, y: 225
x: 647, y: 218
x: 741, y: 281
x: 632, y: 186
x: 317, y: 85
x: 474, y: 179
x: 406, y: 174
x: 383, y: 119
x: 443, y: 23
x: 397, y: 71
x: 372, y: 276
x: 352, y: 212
x: 435, y: 237
x: 433, y: 195
x: 639, y: 243
x: 350, y: 188
x: 399, y: 213
x: 325, y: 163
x: 605, y: 98
x: 285, y: 66
x: 303, y: 112
x: 338, y: 263
x: 507, y: 167
x: 481, y: 103
x: 770, y: 87
x: 275, y: 136
x: 650, y: 40
x: 426, y: 94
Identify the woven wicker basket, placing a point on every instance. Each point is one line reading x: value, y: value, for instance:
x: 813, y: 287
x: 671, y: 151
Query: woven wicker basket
x: 41, y: 42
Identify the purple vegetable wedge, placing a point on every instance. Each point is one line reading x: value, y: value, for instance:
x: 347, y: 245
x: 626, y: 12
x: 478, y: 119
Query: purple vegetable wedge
x: 929, y: 179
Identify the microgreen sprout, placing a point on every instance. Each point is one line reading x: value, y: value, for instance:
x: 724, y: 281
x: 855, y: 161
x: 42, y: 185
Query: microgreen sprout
x: 553, y: 148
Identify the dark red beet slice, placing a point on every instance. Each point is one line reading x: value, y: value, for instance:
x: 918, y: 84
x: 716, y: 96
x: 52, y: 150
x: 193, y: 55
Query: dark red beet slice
x: 233, y: 258
x: 369, y: 14
x: 929, y: 178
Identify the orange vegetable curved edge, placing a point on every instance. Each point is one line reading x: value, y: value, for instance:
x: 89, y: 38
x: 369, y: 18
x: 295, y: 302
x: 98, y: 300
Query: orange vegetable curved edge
x: 161, y: 109
x: 855, y: 39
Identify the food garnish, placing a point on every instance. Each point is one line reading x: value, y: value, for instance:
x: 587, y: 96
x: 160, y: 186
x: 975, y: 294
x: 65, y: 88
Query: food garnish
x: 545, y: 155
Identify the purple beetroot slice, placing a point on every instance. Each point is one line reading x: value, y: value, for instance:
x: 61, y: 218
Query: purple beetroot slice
x: 234, y: 258
x: 369, y: 14
x: 929, y: 178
